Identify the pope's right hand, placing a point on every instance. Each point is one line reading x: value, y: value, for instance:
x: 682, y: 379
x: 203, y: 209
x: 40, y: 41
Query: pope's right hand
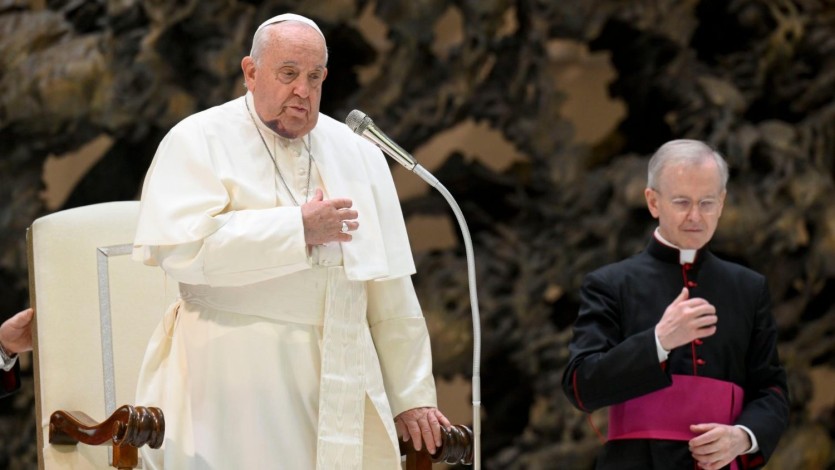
x: 323, y: 220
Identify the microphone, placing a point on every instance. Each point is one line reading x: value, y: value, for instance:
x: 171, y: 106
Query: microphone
x: 362, y: 125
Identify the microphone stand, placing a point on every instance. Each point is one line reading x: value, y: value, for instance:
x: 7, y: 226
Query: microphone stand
x: 468, y: 248
x: 362, y: 125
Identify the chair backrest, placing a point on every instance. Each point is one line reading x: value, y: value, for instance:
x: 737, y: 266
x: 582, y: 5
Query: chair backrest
x: 95, y: 310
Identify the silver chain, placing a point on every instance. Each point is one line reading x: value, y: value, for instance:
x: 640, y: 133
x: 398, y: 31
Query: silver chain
x: 275, y: 163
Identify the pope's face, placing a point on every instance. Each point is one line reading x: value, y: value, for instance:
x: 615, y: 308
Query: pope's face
x: 687, y: 203
x: 286, y: 82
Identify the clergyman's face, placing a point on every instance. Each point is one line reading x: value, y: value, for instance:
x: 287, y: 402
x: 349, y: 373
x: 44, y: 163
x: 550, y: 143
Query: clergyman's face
x: 286, y: 81
x: 687, y: 202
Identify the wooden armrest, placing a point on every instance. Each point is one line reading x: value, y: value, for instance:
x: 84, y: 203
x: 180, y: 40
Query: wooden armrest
x: 128, y: 425
x: 127, y: 429
x: 456, y: 447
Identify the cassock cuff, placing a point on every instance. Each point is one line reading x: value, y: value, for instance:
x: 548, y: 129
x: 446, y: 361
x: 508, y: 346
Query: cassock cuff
x: 663, y: 354
x: 7, y: 361
x: 754, y: 446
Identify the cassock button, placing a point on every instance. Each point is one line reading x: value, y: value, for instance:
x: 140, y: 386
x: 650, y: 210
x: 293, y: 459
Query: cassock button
x: 691, y: 284
x: 700, y: 362
x: 698, y: 342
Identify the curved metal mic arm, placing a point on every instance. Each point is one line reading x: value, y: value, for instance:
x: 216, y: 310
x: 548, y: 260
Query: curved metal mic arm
x: 468, y: 248
x: 362, y: 125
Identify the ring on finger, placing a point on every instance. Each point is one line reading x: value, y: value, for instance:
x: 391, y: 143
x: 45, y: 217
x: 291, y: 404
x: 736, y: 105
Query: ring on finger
x: 344, y: 227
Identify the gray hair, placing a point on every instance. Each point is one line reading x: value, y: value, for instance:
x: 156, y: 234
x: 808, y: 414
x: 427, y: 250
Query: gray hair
x: 684, y: 151
x: 261, y: 37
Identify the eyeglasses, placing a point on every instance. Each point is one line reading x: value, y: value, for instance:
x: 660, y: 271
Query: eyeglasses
x: 683, y: 205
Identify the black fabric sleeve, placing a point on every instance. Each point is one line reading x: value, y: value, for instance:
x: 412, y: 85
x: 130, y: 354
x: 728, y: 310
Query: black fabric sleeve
x: 10, y: 380
x: 766, y: 409
x: 605, y: 368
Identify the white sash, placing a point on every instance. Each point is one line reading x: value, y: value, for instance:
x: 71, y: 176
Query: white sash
x: 344, y: 374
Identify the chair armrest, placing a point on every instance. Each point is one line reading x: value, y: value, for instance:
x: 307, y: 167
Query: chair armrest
x: 128, y: 425
x: 456, y: 447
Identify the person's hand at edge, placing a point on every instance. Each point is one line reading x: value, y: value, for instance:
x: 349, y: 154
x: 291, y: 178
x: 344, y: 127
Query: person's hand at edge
x: 16, y: 332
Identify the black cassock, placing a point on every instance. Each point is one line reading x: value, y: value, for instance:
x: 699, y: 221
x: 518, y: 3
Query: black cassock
x: 10, y: 380
x: 614, y: 358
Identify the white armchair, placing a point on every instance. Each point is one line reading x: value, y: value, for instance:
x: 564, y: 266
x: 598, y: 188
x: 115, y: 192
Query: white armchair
x: 95, y: 310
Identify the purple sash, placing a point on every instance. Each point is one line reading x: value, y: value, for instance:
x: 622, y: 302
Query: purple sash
x: 669, y: 412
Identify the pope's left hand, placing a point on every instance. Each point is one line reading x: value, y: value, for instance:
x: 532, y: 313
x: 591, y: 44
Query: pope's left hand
x: 421, y: 425
x: 717, y: 444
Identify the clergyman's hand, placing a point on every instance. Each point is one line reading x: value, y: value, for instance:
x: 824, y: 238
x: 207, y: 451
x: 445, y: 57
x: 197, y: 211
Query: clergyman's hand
x: 685, y: 320
x: 323, y: 220
x: 16, y: 332
x: 717, y: 444
x: 421, y: 425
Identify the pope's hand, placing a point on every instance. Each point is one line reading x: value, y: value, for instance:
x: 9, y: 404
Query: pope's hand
x: 328, y: 221
x: 421, y: 425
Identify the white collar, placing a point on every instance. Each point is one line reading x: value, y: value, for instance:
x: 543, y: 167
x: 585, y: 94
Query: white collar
x: 684, y: 256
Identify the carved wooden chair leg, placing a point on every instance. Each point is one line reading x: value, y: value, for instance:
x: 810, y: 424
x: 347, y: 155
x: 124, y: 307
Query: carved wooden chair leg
x: 125, y: 457
x: 127, y: 429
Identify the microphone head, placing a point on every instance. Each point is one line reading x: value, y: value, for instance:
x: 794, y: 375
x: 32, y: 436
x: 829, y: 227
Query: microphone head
x: 358, y: 121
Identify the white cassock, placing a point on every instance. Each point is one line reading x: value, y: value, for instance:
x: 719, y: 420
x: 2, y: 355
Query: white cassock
x: 276, y: 356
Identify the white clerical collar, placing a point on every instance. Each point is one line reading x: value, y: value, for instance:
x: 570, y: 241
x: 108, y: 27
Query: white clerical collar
x: 684, y: 256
